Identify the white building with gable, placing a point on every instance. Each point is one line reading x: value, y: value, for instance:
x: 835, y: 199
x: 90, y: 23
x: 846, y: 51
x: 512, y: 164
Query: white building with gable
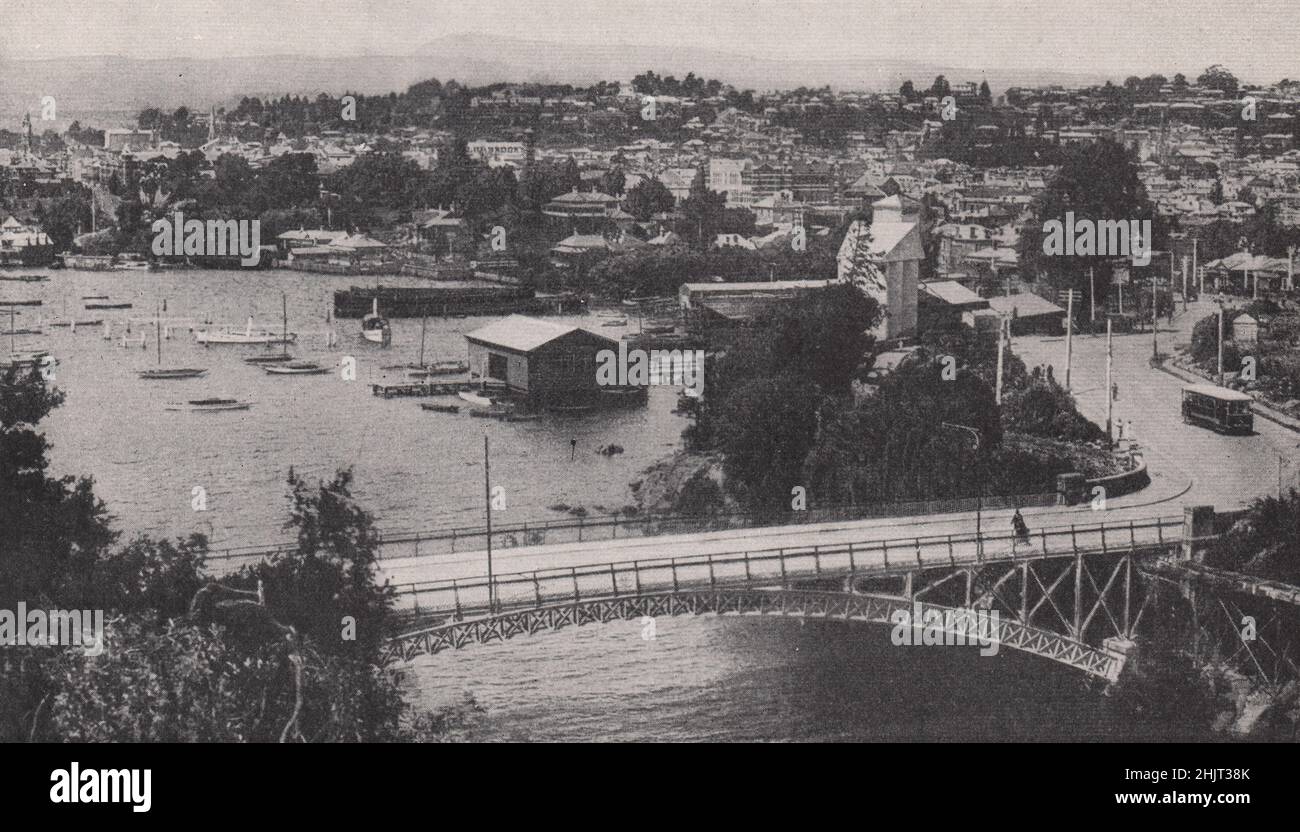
x: 883, y: 258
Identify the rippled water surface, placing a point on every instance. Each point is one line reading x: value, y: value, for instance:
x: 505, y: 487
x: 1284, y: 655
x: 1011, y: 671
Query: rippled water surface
x: 414, y: 469
x: 765, y: 679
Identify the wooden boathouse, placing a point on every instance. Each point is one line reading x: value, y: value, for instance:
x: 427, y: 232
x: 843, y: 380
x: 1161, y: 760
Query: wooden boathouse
x: 545, y: 363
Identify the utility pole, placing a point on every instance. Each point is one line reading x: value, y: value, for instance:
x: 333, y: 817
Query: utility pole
x: 1220, y: 341
x: 1184, y: 282
x: 1110, y: 389
x: 1002, y: 327
x: 1155, y: 342
x: 1069, y: 336
x: 1171, y: 268
x: 487, y: 500
x: 1200, y: 286
x: 1092, y: 296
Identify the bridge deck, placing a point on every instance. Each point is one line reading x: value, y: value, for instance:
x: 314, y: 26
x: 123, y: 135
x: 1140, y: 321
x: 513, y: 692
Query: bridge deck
x: 463, y: 588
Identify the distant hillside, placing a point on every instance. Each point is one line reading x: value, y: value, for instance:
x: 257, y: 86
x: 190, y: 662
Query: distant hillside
x: 541, y: 60
x: 107, y: 83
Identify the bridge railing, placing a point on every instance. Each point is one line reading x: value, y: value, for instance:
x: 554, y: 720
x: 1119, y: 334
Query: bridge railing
x: 459, y: 598
x: 394, y: 544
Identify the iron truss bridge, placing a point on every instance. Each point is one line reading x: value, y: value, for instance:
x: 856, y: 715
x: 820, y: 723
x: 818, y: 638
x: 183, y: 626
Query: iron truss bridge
x: 965, y: 623
x: 1070, y: 594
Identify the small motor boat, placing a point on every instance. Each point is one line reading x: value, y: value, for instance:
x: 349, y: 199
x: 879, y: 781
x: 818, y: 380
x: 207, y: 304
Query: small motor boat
x: 375, y: 328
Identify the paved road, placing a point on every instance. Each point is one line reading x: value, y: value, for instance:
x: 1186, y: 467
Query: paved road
x: 1226, y: 471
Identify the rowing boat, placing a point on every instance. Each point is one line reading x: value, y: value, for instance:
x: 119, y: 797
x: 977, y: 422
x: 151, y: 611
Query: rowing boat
x: 296, y: 368
x: 208, y: 405
x: 168, y: 374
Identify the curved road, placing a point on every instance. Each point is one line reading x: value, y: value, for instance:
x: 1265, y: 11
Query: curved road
x: 1226, y: 471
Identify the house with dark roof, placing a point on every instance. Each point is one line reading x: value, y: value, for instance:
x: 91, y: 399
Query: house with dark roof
x: 1030, y: 313
x: 943, y: 303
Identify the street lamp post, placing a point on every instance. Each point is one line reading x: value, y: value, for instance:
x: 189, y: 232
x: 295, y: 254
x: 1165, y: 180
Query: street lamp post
x: 979, y: 492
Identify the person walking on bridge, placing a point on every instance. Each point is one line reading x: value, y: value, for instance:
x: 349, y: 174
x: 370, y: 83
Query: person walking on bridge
x: 1021, y: 530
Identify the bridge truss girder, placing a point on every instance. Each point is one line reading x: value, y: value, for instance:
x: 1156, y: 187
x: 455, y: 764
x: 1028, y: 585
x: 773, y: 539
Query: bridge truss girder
x: 1090, y: 599
x: 877, y: 609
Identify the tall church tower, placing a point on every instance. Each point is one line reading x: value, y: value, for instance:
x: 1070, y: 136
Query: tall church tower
x: 212, y: 123
x: 27, y: 129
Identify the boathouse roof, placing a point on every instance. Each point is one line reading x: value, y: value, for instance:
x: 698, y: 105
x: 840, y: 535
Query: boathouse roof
x: 524, y: 334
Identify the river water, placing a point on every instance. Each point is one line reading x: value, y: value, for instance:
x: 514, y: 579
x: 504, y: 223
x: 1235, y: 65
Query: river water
x: 414, y: 469
x: 696, y: 679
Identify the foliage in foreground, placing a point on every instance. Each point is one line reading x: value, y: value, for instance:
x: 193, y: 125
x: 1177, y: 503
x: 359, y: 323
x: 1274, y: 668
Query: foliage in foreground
x: 1265, y: 542
x: 284, y: 651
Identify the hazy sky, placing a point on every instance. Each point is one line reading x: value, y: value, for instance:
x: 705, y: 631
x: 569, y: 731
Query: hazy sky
x: 1258, y: 39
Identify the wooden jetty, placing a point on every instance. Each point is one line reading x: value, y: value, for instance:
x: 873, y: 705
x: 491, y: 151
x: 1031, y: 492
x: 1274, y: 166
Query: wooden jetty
x: 434, y: 388
x: 400, y: 302
x: 505, y: 415
x: 423, y: 389
x: 87, y: 262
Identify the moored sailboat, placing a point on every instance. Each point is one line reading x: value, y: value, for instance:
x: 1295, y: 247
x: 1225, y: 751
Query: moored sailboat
x: 35, y: 358
x: 168, y: 373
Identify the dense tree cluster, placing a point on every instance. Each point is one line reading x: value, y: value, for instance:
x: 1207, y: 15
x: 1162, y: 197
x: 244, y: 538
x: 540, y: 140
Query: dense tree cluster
x: 1096, y: 183
x: 649, y: 83
x: 660, y: 271
x: 1264, y: 542
x: 783, y: 411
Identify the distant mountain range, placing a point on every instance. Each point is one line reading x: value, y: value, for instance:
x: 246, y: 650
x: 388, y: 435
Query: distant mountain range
x: 104, y: 83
